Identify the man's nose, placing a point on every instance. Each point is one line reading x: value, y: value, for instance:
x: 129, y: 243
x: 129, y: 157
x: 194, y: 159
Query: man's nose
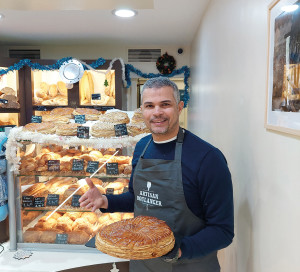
x: 157, y: 110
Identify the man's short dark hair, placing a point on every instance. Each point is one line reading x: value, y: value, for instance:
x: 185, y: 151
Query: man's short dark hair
x: 159, y: 82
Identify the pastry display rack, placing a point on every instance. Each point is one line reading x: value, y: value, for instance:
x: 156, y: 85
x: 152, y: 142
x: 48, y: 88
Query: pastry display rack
x: 100, y: 89
x: 44, y: 171
x: 12, y: 99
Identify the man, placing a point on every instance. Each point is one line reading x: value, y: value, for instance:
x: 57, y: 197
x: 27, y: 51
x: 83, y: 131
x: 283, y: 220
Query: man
x: 189, y: 179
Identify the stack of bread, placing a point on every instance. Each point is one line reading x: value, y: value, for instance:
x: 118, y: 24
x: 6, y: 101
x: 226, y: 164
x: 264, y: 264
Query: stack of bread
x: 9, y: 95
x: 105, y: 127
x: 65, y: 186
x: 137, y: 125
x: 79, y: 226
x: 31, y: 163
x: 51, y: 94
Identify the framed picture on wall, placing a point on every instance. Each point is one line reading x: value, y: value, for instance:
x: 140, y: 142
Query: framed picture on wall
x: 283, y: 88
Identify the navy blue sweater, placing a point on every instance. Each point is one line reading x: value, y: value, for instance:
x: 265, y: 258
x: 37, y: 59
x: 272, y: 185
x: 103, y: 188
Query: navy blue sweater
x: 207, y: 188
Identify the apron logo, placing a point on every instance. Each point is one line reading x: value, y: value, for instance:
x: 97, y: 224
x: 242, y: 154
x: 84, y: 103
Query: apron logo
x: 148, y: 197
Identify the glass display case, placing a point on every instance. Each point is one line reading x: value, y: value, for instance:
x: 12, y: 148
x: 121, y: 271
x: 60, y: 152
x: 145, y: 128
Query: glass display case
x: 47, y: 172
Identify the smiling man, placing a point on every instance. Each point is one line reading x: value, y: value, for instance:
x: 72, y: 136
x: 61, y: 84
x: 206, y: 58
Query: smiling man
x: 179, y: 178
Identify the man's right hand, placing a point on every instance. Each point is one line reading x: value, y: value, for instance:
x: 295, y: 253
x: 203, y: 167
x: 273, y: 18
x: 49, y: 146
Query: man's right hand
x: 93, y: 199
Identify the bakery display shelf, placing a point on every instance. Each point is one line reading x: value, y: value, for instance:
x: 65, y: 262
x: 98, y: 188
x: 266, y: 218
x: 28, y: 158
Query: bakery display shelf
x: 52, y: 208
x: 72, y: 174
x: 9, y: 110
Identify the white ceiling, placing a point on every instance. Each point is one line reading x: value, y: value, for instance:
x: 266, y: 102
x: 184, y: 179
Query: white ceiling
x: 159, y: 22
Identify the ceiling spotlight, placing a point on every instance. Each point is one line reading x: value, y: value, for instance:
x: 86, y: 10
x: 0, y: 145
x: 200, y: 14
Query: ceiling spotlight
x: 289, y: 8
x: 124, y: 13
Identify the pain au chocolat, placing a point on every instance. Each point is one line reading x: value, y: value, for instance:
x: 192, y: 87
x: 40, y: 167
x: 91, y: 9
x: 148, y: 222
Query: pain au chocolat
x: 139, y: 238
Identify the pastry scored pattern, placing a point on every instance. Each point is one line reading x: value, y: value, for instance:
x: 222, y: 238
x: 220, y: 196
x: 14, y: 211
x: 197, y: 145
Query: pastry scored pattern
x: 142, y: 237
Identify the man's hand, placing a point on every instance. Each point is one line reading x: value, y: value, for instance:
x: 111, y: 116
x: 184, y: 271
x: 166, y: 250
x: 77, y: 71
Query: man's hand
x: 93, y: 199
x: 175, y: 253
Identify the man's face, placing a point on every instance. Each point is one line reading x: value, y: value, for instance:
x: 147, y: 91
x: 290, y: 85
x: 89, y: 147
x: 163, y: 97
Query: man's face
x: 161, y: 112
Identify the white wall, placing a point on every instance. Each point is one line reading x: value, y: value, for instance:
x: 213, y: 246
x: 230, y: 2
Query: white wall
x: 228, y: 95
x: 106, y: 51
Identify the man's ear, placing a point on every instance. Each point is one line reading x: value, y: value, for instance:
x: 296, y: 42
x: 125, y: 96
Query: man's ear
x: 180, y: 106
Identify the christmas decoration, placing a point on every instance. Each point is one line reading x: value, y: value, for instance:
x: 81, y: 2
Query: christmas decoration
x: 165, y: 64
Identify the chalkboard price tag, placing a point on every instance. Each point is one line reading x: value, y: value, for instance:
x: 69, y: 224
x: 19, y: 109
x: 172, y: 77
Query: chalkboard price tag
x: 109, y: 191
x: 120, y: 130
x: 75, y: 201
x: 80, y: 119
x: 41, y: 108
x: 83, y: 132
x: 61, y: 238
x: 125, y: 189
x: 52, y: 200
x: 27, y: 201
x: 112, y: 168
x: 77, y: 165
x: 53, y: 165
x: 39, y: 202
x: 92, y: 166
x: 4, y: 101
x: 36, y: 119
x: 96, y: 96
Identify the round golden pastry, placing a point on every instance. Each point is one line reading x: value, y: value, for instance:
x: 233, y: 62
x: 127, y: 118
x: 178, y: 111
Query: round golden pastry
x: 139, y: 238
x: 68, y: 112
x: 67, y: 129
x: 55, y: 118
x: 46, y: 128
x: 90, y: 114
x: 116, y: 117
x: 102, y: 129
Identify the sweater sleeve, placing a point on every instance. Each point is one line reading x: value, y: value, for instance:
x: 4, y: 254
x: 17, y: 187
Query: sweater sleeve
x: 215, y: 191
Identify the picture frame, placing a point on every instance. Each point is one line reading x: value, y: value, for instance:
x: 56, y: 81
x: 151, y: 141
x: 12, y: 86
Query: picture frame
x: 283, y: 79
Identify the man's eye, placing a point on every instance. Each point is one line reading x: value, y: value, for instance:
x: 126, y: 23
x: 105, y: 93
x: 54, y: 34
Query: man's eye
x: 166, y: 104
x: 149, y: 106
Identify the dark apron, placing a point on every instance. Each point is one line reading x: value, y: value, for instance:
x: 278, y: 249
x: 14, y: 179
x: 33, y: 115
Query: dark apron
x: 159, y: 192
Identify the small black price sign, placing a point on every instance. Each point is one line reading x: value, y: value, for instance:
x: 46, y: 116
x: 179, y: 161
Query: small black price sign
x: 125, y: 189
x: 36, y: 119
x: 53, y: 165
x: 109, y: 191
x: 112, y: 168
x: 39, y: 202
x: 92, y: 166
x: 83, y: 132
x: 4, y: 101
x: 52, y: 200
x: 27, y: 201
x: 121, y: 130
x: 41, y: 108
x: 61, y: 238
x: 80, y: 119
x: 75, y: 201
x: 96, y: 96
x: 78, y: 165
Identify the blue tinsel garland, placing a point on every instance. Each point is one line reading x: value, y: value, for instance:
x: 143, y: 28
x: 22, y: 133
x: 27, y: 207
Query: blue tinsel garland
x: 99, y: 62
x: 55, y: 66
x: 184, y: 69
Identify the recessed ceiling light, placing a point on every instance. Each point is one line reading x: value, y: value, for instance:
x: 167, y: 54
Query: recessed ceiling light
x: 289, y: 8
x: 125, y: 13
x: 1, y: 16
